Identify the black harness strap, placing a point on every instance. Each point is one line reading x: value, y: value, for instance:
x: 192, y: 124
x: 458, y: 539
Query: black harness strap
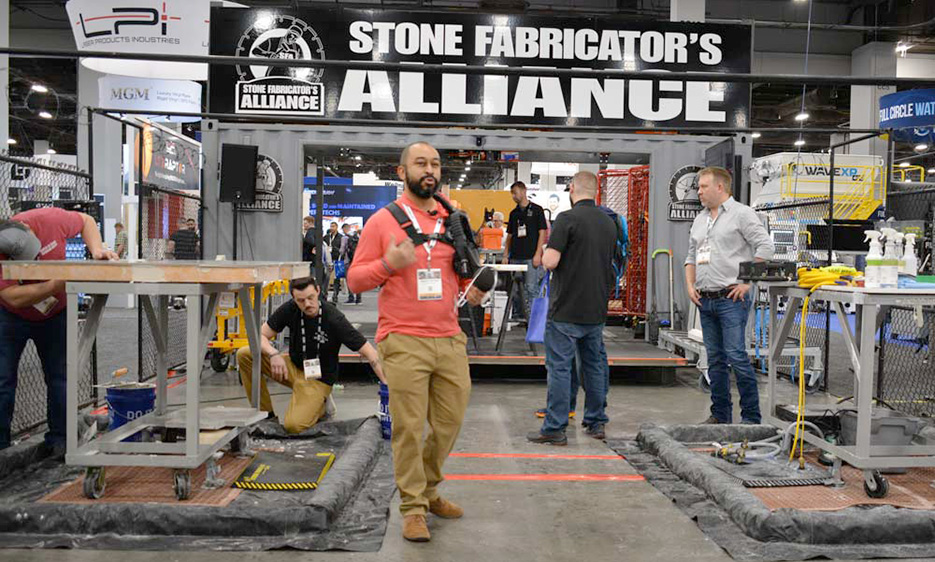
x: 417, y: 238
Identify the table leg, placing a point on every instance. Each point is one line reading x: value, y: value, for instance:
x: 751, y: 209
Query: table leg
x: 193, y: 384
x: 72, y: 368
x: 506, y: 311
x: 864, y: 397
x: 251, y: 327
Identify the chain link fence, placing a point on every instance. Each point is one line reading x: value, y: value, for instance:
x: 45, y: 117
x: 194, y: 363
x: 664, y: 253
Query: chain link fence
x: 906, y: 364
x: 170, y: 228
x: 25, y: 184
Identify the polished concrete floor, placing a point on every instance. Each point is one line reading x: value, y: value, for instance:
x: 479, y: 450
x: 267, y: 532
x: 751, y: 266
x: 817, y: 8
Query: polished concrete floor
x: 516, y: 521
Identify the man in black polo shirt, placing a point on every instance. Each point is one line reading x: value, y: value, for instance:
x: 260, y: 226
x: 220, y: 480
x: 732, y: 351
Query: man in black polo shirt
x: 184, y: 243
x: 526, y: 234
x: 317, y: 330
x: 580, y: 256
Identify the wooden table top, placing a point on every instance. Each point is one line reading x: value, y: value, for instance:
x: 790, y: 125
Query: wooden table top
x: 180, y: 271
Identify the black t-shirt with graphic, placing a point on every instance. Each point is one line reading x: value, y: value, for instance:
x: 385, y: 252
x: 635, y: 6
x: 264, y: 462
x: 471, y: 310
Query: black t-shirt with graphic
x: 533, y: 219
x: 334, y: 328
x: 186, y: 244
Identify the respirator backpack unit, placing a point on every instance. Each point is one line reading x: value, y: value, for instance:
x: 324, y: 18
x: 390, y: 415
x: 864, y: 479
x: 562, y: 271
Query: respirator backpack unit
x: 458, y: 235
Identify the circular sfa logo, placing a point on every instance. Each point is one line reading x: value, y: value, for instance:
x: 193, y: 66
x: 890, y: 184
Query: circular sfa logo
x: 684, y: 204
x: 268, y: 175
x: 280, y: 37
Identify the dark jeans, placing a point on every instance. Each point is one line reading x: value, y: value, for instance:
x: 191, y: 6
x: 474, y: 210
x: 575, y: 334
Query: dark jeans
x: 724, y: 325
x: 49, y: 338
x: 576, y: 377
x: 530, y: 279
x: 562, y: 341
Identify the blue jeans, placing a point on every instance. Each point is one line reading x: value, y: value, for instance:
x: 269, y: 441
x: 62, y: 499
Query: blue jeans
x: 49, y: 338
x: 724, y: 325
x: 531, y: 280
x: 562, y: 341
x: 575, y: 379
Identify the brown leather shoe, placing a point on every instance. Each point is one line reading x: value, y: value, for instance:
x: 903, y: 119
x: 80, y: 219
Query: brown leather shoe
x: 415, y: 529
x: 445, y: 509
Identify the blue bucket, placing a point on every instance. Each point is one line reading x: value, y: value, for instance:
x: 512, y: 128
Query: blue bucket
x: 386, y: 422
x: 126, y: 403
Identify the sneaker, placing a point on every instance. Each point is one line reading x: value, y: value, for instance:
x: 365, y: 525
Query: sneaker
x: 540, y: 413
x: 749, y: 422
x: 358, y: 300
x: 445, y: 509
x: 557, y: 439
x: 415, y: 529
x: 596, y: 431
x: 349, y: 301
x: 711, y: 421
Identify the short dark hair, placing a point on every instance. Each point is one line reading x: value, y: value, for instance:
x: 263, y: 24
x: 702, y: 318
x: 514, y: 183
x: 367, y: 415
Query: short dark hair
x: 302, y: 283
x: 518, y: 184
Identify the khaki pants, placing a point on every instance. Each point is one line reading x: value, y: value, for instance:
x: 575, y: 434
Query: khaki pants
x: 308, y: 396
x: 429, y: 381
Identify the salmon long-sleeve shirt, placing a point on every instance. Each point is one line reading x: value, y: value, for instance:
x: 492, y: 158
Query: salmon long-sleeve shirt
x: 399, y: 309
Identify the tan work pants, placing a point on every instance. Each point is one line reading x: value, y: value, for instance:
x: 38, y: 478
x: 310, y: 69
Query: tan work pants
x: 429, y: 381
x: 308, y: 396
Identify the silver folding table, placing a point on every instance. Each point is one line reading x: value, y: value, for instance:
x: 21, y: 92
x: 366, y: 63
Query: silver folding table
x: 155, y: 283
x: 861, y: 351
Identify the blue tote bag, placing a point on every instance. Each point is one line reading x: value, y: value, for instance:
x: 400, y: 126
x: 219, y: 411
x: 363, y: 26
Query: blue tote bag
x: 535, y: 332
x: 340, y: 269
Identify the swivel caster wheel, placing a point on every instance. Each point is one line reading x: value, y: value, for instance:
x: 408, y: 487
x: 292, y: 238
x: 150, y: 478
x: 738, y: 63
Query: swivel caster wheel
x: 875, y: 485
x: 183, y: 484
x: 220, y: 361
x: 94, y: 482
x: 241, y: 445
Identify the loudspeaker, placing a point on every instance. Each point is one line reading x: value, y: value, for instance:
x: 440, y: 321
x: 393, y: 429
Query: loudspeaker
x: 238, y: 173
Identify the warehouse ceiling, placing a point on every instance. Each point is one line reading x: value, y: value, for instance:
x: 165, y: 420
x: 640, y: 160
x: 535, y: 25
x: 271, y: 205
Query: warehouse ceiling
x: 779, y: 26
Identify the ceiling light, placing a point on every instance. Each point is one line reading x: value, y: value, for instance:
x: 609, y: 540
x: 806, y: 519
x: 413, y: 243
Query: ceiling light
x: 922, y: 147
x: 931, y: 171
x: 801, y: 116
x: 39, y: 88
x: 45, y: 115
x: 11, y: 141
x: 51, y: 151
x: 357, y: 157
x: 904, y: 164
x: 800, y: 142
x: 756, y: 135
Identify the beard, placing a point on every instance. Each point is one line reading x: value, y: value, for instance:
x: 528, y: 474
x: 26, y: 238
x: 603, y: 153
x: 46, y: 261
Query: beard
x: 416, y: 187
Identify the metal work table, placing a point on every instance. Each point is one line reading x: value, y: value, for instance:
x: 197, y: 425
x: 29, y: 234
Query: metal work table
x: 155, y: 283
x: 861, y: 351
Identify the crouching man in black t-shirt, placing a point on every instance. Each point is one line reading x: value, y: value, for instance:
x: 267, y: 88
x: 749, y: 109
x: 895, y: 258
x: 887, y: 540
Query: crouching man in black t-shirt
x: 317, y: 330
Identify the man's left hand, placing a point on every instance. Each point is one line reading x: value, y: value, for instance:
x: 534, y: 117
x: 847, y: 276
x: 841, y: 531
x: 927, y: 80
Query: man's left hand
x: 475, y: 296
x: 738, y: 292
x: 105, y: 255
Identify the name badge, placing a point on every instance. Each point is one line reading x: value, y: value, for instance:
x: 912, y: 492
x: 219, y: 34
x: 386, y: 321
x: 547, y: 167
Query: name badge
x: 312, y: 369
x: 45, y: 306
x: 703, y: 256
x: 429, y: 284
x: 521, y: 231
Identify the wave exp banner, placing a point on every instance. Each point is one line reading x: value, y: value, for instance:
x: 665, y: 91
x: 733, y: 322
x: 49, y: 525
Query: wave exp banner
x: 477, y: 39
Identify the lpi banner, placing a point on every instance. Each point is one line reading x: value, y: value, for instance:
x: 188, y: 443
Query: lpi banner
x: 477, y: 39
x: 177, y: 27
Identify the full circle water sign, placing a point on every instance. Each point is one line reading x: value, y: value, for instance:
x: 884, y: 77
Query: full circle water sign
x: 911, y: 114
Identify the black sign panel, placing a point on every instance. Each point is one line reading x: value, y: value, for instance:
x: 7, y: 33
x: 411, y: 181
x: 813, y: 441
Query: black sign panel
x: 477, y: 39
x: 170, y: 161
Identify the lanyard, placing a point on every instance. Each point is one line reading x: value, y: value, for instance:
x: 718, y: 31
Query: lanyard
x: 319, y: 336
x: 415, y: 224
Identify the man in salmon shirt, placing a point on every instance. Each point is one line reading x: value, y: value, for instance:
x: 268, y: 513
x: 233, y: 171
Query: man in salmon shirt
x: 418, y: 336
x: 34, y: 310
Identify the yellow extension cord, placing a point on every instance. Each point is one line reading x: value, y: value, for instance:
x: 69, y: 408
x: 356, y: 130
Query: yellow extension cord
x: 813, y: 279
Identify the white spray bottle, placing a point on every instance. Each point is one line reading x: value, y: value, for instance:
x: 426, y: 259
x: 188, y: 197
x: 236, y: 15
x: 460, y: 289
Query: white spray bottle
x: 899, y: 252
x: 911, y: 262
x: 890, y: 270
x: 874, y: 269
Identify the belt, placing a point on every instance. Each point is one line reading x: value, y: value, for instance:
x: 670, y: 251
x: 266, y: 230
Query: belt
x: 719, y: 294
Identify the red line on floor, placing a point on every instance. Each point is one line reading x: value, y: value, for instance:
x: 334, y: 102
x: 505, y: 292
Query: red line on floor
x: 532, y: 456
x: 549, y: 477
